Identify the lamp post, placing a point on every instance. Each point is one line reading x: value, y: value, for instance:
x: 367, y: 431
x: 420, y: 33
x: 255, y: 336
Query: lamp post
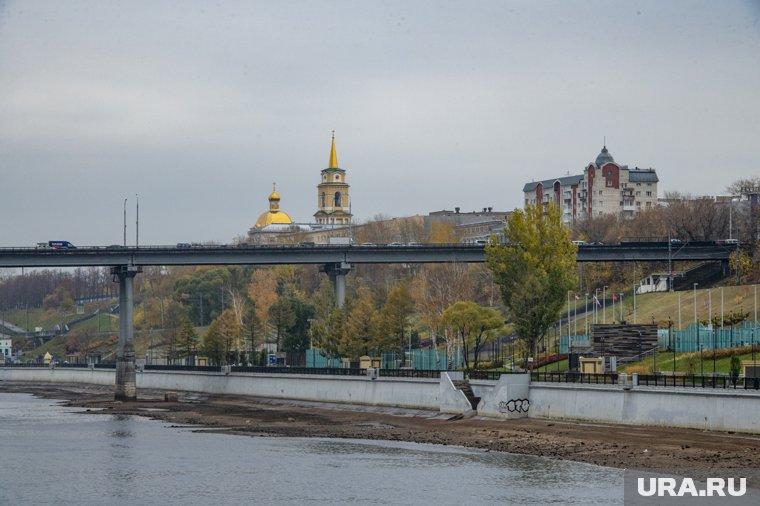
x: 585, y: 328
x: 596, y: 305
x: 701, y: 362
x: 672, y: 344
x: 125, y: 222
x: 604, y: 304
x: 696, y: 322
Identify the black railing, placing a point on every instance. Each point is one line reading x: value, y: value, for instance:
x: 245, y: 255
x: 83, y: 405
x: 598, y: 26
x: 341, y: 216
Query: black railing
x: 409, y: 373
x: 328, y: 371
x: 476, y: 374
x: 650, y: 380
x: 178, y: 367
x: 574, y: 377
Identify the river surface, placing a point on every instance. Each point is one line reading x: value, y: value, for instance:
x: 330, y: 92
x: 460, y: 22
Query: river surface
x: 50, y: 454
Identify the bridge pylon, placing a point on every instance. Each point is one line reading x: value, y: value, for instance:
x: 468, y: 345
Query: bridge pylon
x: 337, y: 272
x: 126, y: 380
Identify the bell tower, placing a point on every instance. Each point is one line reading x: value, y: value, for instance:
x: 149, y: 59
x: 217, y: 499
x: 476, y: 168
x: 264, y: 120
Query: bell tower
x: 333, y: 201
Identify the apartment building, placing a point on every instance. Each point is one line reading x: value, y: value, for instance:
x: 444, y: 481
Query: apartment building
x: 605, y: 187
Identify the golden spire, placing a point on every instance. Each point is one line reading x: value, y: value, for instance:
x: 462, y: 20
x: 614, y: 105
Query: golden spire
x: 333, y: 156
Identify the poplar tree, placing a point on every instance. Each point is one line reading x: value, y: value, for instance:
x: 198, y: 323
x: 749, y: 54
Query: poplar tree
x: 535, y: 268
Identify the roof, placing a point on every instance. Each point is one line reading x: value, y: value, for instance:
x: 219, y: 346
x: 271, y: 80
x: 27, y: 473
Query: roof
x: 333, y: 163
x: 563, y: 181
x: 604, y: 157
x: 273, y: 217
x: 642, y: 175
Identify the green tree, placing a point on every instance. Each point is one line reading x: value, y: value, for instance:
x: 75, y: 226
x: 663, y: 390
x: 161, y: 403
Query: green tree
x: 535, y: 269
x: 188, y: 337
x: 213, y: 344
x: 328, y: 324
x: 359, y: 336
x: 395, y: 317
x: 229, y: 330
x: 282, y: 317
x: 734, y: 369
x: 297, y: 335
x: 474, y: 325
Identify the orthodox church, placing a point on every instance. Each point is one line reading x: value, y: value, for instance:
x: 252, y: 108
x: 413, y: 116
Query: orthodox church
x: 333, y: 211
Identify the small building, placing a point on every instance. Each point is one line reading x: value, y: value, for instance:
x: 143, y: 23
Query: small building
x: 6, y: 349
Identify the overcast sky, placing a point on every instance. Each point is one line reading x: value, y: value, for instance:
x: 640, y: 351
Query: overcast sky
x: 199, y: 107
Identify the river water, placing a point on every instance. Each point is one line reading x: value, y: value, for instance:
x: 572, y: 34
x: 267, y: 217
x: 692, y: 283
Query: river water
x: 50, y: 454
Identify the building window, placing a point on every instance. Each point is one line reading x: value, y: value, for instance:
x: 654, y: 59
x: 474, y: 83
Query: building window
x: 638, y: 184
x: 638, y: 194
x: 601, y: 192
x: 649, y: 194
x: 324, y: 200
x: 337, y: 177
x: 638, y: 203
x: 649, y: 204
x: 609, y: 182
x: 336, y: 198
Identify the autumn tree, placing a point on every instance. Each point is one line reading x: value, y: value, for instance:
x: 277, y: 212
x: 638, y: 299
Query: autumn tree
x: 188, y: 339
x: 395, y: 317
x: 695, y: 218
x: 434, y: 289
x: 213, y: 344
x: 535, y: 270
x: 282, y: 317
x: 229, y: 330
x: 361, y: 323
x: 262, y: 290
x: 474, y: 325
x: 327, y: 326
x: 603, y: 229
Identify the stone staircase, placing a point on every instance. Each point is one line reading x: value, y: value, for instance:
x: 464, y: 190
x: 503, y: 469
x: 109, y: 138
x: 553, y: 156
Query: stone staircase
x: 466, y: 389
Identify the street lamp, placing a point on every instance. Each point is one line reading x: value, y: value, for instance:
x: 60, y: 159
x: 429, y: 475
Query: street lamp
x: 596, y: 305
x: 696, y: 322
x: 673, y: 345
x: 701, y: 363
x: 604, y: 304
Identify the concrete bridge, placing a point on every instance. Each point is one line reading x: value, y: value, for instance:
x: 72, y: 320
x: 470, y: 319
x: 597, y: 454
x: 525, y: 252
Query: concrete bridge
x: 336, y: 261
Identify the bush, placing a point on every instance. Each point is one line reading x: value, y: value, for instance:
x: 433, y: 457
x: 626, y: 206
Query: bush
x: 638, y: 369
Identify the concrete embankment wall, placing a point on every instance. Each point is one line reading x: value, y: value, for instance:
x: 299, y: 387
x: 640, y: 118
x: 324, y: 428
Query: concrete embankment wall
x: 400, y: 392
x: 696, y: 408
x: 511, y: 397
x: 48, y: 375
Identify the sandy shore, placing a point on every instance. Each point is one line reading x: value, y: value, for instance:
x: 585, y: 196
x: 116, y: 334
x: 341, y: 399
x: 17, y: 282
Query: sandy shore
x: 620, y: 446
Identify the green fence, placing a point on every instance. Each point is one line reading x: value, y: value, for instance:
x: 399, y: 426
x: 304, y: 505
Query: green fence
x: 694, y: 337
x: 422, y: 360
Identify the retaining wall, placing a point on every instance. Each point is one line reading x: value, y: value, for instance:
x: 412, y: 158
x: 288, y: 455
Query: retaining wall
x: 724, y: 410
x: 420, y: 393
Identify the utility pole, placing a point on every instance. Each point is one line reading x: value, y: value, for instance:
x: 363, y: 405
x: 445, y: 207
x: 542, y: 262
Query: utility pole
x: 125, y: 222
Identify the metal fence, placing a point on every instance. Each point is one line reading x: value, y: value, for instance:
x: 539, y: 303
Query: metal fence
x: 695, y: 337
x: 652, y: 380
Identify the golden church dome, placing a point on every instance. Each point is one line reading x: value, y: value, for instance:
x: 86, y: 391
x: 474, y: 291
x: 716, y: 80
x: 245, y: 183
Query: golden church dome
x: 274, y: 216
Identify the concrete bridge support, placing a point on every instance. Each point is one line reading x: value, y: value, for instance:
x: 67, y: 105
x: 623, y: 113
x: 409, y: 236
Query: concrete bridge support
x: 337, y: 273
x: 126, y: 384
